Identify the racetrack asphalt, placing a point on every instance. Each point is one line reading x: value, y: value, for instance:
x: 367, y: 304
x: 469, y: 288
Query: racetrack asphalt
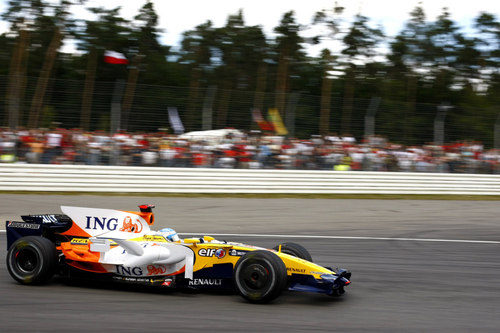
x: 410, y: 286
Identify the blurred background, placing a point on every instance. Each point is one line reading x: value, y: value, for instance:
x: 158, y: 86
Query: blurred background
x: 72, y: 65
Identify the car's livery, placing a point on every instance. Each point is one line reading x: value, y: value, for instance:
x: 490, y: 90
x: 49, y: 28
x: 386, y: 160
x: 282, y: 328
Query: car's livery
x: 121, y: 246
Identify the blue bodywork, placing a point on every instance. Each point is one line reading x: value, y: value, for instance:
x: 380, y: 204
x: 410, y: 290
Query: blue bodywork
x: 328, y: 284
x: 36, y: 225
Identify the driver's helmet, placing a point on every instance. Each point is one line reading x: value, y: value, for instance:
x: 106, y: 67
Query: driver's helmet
x: 170, y: 234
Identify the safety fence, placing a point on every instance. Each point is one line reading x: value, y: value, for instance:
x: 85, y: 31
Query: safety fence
x: 215, y: 108
x: 142, y: 180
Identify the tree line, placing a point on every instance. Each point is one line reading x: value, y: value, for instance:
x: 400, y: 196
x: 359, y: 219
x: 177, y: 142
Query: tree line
x: 236, y: 67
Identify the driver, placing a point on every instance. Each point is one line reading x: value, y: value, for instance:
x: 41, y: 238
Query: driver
x: 170, y: 234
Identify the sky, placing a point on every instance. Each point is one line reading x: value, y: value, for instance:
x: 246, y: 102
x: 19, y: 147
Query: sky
x: 176, y: 17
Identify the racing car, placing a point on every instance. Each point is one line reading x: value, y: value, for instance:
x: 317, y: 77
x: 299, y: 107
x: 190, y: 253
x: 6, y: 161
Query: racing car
x: 120, y: 245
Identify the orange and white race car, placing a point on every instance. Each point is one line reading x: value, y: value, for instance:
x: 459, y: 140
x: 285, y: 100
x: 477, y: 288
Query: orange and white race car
x: 120, y: 245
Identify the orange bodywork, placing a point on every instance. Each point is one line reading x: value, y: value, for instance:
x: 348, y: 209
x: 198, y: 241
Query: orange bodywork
x: 79, y: 252
x: 80, y: 256
x: 75, y: 230
x: 148, y: 217
x: 88, y: 266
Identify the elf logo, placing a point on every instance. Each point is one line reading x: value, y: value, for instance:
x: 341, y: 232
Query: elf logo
x: 219, y: 253
x: 101, y: 223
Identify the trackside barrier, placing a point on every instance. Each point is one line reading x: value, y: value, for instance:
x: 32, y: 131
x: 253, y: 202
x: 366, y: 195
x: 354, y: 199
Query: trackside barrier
x: 84, y: 178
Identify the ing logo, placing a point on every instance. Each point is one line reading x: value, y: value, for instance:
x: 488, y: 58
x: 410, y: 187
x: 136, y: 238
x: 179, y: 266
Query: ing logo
x: 156, y: 269
x: 130, y: 226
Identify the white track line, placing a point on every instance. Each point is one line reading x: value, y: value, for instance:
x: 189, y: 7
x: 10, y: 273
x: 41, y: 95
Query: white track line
x: 436, y: 240
x: 349, y: 237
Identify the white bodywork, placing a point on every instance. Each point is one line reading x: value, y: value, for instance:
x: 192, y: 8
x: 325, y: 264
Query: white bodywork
x: 140, y: 251
x: 97, y: 221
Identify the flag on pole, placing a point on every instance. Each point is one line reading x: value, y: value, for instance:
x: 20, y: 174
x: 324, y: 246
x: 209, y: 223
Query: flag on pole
x: 116, y: 58
x: 263, y: 124
x: 275, y: 117
x: 175, y: 120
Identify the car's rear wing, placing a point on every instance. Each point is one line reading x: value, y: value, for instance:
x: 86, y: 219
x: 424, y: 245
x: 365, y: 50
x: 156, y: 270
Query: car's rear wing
x: 36, y: 225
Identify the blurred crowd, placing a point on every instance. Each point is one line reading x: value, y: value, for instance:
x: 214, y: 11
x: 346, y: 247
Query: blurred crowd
x: 235, y: 149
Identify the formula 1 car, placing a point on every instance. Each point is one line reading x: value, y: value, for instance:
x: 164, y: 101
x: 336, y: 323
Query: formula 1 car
x: 120, y: 245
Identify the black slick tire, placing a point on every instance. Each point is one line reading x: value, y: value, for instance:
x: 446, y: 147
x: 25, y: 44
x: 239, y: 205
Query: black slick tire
x: 260, y: 276
x: 32, y: 260
x: 295, y: 250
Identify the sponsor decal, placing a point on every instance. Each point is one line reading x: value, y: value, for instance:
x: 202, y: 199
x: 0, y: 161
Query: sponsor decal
x: 80, y: 241
x: 296, y: 270
x: 101, y: 223
x: 129, y: 271
x: 47, y: 218
x: 167, y: 283
x: 83, y: 241
x: 129, y: 226
x: 131, y: 279
x: 23, y: 225
x: 150, y: 238
x: 237, y: 253
x: 205, y: 282
x: 156, y: 269
x: 145, y: 280
x: 219, y: 253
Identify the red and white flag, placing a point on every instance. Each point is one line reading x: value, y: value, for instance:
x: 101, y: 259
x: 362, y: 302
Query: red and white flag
x: 112, y: 57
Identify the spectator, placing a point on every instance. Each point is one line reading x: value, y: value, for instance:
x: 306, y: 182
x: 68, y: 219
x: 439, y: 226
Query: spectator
x: 239, y: 151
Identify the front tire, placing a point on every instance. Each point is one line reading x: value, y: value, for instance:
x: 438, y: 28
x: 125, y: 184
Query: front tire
x: 260, y: 276
x: 32, y: 260
x: 295, y: 250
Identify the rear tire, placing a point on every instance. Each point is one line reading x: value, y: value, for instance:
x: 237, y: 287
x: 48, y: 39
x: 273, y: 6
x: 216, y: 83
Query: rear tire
x: 295, y: 250
x: 260, y: 276
x: 32, y: 260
